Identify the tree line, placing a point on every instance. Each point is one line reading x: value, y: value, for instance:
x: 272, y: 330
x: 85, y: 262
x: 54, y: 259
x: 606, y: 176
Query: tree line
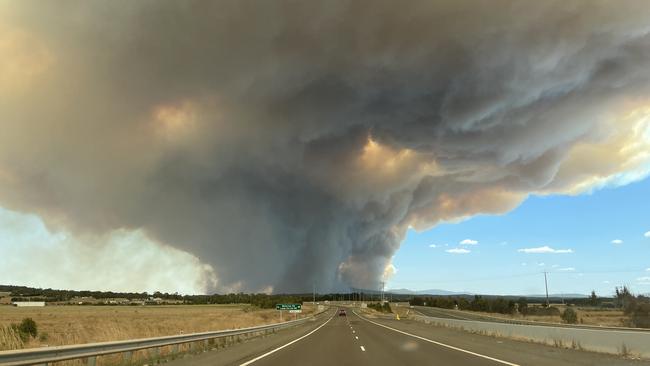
x: 265, y: 301
x: 636, y: 307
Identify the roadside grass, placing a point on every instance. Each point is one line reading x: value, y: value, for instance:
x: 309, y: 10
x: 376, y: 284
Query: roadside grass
x: 10, y: 338
x: 64, y: 325
x: 623, y: 350
x: 586, y: 316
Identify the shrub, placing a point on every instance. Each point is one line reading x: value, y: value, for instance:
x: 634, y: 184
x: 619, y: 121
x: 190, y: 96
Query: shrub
x: 381, y: 308
x: 522, y: 305
x: 641, y: 315
x: 26, y: 328
x: 542, y: 311
x: 43, y: 337
x: 387, y: 308
x: 570, y: 316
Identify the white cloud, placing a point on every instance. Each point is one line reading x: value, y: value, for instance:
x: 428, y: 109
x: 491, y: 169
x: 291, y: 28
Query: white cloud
x: 567, y: 269
x: 433, y: 246
x: 617, y: 241
x: 542, y: 264
x: 555, y: 266
x: 524, y: 264
x: 457, y: 251
x: 544, y: 249
x: 647, y: 269
x: 469, y: 242
x: 606, y: 282
x: 647, y: 234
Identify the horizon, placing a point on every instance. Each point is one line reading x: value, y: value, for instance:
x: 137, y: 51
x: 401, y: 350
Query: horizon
x: 402, y: 292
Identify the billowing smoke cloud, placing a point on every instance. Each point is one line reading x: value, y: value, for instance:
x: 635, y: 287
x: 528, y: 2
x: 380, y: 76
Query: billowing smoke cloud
x: 287, y: 143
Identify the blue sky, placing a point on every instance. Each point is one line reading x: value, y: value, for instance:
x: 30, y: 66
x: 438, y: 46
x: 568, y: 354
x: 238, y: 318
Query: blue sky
x: 585, y: 224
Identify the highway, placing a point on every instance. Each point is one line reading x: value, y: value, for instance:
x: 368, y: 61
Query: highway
x: 357, y: 340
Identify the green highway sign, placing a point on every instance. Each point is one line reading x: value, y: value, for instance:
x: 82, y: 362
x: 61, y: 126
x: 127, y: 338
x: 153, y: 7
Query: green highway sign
x: 288, y: 306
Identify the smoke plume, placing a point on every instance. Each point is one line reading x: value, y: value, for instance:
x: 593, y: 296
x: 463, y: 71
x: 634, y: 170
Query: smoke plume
x: 289, y: 143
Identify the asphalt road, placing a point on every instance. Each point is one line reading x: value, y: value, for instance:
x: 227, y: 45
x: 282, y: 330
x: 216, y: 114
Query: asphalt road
x: 353, y: 340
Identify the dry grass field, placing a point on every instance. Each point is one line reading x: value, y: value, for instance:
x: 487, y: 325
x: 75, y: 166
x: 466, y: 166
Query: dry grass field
x: 586, y: 316
x: 62, y: 325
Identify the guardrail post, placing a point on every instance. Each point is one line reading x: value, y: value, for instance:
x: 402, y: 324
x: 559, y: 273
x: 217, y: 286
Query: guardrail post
x: 127, y: 356
x: 90, y: 361
x: 175, y: 348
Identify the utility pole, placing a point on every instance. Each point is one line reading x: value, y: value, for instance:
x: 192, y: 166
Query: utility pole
x: 313, y: 293
x: 546, y: 285
x: 382, y: 292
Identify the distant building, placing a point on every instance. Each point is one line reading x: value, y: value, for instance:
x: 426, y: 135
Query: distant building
x: 28, y: 303
x: 83, y: 300
x: 115, y: 301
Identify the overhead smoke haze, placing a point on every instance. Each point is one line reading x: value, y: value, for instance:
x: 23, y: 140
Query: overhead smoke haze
x: 283, y: 144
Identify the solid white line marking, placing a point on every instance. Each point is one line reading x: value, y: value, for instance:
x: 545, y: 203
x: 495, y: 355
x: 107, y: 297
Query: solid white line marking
x: 363, y: 348
x: 440, y: 344
x: 286, y: 345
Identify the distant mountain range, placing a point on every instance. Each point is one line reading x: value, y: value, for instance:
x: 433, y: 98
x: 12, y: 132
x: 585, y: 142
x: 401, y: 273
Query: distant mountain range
x: 572, y: 296
x: 405, y: 291
x: 438, y: 292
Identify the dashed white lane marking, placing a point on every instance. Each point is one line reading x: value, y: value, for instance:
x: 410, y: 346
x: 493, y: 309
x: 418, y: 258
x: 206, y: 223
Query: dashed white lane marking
x: 286, y: 345
x: 363, y: 348
x: 356, y: 337
x: 352, y: 331
x: 438, y: 343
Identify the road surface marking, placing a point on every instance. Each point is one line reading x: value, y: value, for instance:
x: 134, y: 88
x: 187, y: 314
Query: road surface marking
x: 363, y: 348
x: 356, y: 337
x: 352, y: 331
x: 286, y: 345
x: 440, y: 344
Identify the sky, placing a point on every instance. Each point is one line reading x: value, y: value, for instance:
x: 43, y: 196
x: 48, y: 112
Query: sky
x: 604, y: 230
x: 225, y: 146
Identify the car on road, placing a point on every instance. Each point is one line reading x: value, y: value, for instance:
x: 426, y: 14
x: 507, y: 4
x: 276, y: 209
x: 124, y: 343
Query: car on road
x: 342, y: 312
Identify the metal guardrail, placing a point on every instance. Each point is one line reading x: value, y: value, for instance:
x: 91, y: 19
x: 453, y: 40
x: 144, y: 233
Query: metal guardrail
x: 462, y: 315
x: 90, y: 351
x: 622, y: 342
